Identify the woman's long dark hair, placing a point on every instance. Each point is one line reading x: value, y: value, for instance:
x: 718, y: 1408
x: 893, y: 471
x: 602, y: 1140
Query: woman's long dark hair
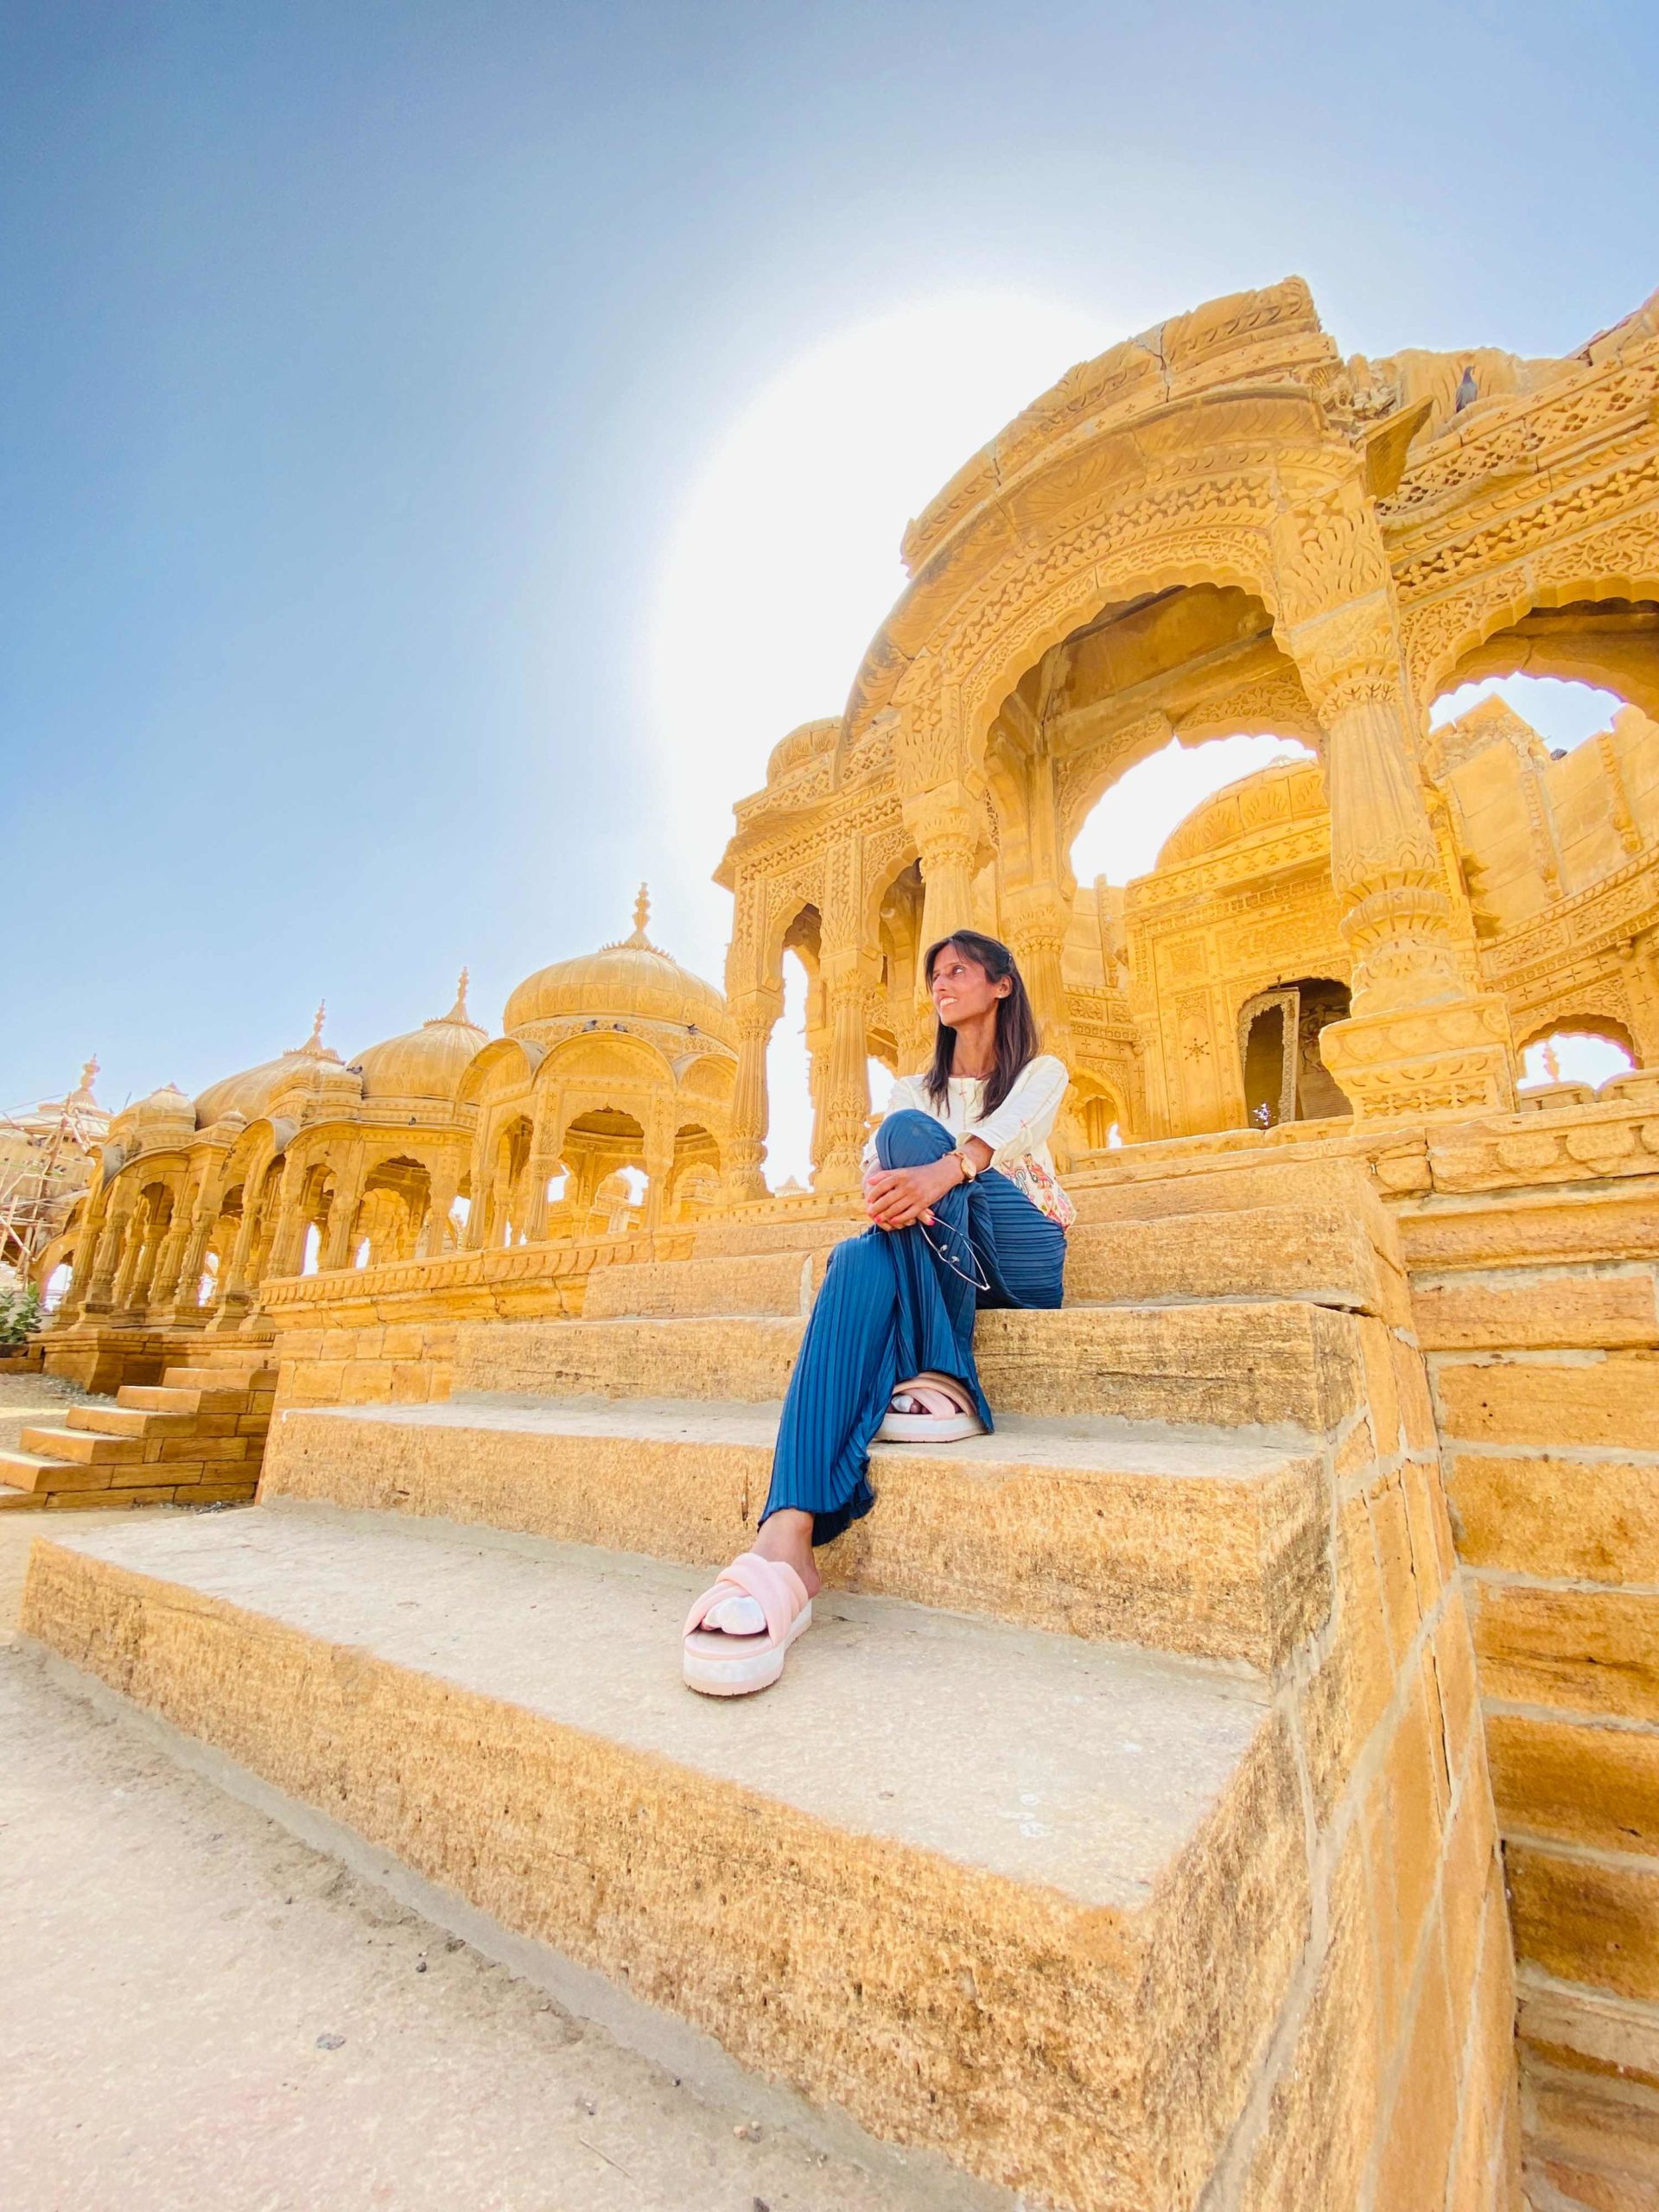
x: 1017, y: 1040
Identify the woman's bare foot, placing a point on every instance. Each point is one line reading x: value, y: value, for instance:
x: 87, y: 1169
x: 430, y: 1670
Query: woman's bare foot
x: 787, y: 1536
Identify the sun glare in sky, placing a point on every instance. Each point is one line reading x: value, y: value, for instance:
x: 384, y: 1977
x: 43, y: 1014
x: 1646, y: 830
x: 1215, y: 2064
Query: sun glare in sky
x: 784, y: 557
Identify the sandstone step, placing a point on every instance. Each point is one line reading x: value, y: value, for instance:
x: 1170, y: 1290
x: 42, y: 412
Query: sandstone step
x: 159, y: 1398
x: 1193, y: 1177
x: 1193, y: 1542
x: 12, y: 1501
x: 131, y: 1420
x: 738, y: 1240
x: 198, y: 1377
x: 37, y: 1473
x: 1030, y: 1901
x: 83, y: 1447
x: 778, y: 1283
x: 1326, y: 1253
x: 1281, y: 1363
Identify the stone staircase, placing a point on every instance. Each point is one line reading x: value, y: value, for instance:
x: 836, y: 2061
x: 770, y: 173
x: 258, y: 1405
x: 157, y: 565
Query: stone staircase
x: 1047, y: 1859
x: 195, y: 1439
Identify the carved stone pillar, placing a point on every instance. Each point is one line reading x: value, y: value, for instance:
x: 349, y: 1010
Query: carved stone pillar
x: 948, y: 826
x: 1038, y: 924
x: 1420, y: 1038
x: 846, y: 1102
x: 287, y: 1255
x: 816, y: 1037
x: 293, y: 1221
x: 659, y: 1166
x: 184, y: 1297
x: 756, y: 1016
x: 172, y: 1294
x: 156, y: 1247
x: 482, y: 1169
x: 1418, y: 1041
x: 137, y: 1227
x: 445, y: 1182
x: 234, y: 1294
x: 88, y: 1242
x: 100, y: 1292
x: 547, y: 1131
x: 342, y: 1216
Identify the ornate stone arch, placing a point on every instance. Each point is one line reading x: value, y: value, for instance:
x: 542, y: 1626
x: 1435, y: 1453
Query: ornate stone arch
x: 504, y: 1064
x: 1620, y: 560
x: 1245, y: 489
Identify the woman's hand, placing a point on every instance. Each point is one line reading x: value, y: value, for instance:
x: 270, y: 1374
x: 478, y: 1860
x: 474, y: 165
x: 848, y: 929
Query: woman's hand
x: 895, y: 1197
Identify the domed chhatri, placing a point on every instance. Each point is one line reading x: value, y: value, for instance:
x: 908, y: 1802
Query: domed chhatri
x: 631, y: 979
x: 427, y: 1063
x: 1267, y: 799
x: 250, y: 1092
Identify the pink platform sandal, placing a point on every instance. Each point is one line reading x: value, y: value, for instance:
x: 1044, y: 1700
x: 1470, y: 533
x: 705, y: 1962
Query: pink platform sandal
x: 929, y: 1409
x: 739, y: 1633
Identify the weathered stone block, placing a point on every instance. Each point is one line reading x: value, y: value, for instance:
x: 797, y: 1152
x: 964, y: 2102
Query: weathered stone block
x: 1456, y: 1681
x: 1316, y: 2135
x: 1608, y: 1401
x: 1582, y: 2032
x: 1346, y: 1696
x: 778, y: 1283
x: 1403, y: 1824
x: 1588, y: 1651
x: 1551, y: 1515
x: 1575, y: 1783
x: 1421, y: 2125
x: 1586, y: 1920
x: 1324, y: 1254
x: 1391, y: 1533
x: 1382, y: 1394
x: 1592, y: 1312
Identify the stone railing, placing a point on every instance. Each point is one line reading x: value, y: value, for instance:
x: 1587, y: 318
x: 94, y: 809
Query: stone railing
x: 1564, y: 1133
x: 386, y: 1334
x: 508, y: 1278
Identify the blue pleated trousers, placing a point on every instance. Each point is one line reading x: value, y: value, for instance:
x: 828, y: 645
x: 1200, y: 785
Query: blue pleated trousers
x: 894, y: 1303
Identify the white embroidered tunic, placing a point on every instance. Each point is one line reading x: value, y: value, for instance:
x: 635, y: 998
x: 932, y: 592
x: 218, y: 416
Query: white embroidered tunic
x: 1017, y: 1133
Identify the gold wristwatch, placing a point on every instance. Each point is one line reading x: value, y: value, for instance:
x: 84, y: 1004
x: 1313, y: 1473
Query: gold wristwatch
x: 969, y: 1169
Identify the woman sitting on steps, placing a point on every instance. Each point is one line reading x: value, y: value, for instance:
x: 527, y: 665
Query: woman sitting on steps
x: 961, y: 1188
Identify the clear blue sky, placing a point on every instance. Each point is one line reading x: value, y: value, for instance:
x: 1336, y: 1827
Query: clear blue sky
x: 359, y: 358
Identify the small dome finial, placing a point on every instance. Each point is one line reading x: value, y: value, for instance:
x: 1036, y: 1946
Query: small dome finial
x: 641, y: 910
x: 89, y: 1073
x: 458, y: 1012
x: 317, y: 1019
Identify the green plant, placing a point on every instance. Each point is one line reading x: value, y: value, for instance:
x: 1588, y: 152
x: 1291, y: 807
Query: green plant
x: 20, y: 1316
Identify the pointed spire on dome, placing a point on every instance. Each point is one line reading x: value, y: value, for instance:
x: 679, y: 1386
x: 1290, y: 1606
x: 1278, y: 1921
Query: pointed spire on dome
x: 82, y: 1093
x: 314, y: 1048
x: 457, y: 1013
x: 641, y: 916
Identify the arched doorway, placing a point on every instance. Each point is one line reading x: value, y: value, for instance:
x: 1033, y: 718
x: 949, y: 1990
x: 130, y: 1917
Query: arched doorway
x: 1285, y: 1078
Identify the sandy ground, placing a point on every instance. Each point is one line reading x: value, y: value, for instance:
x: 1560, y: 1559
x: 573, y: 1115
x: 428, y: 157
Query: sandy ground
x: 207, y: 2016
x: 25, y: 1399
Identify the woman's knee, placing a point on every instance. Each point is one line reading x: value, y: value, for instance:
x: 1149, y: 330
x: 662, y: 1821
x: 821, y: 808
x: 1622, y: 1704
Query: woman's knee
x: 855, y: 1257
x: 910, y: 1138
